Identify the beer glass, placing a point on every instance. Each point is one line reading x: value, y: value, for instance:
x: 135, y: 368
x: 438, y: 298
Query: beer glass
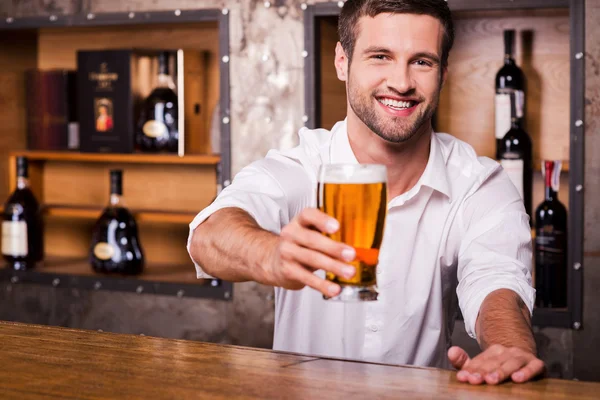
x: 356, y: 196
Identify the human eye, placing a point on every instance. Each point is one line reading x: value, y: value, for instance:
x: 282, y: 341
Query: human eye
x: 423, y: 63
x: 380, y: 57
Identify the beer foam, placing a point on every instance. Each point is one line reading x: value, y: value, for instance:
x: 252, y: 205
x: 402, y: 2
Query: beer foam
x: 352, y: 173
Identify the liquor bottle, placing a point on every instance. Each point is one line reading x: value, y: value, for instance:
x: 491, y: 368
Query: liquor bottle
x: 551, y: 243
x: 157, y: 125
x: 515, y: 156
x: 115, y: 244
x: 22, y: 226
x: 509, y: 81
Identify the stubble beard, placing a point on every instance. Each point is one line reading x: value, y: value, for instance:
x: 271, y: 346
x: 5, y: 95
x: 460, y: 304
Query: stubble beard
x: 391, y: 129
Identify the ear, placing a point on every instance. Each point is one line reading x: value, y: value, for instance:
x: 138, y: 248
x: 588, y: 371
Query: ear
x: 341, y: 63
x: 444, y: 76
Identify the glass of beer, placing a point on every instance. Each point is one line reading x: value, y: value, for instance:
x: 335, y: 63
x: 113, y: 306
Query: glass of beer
x: 356, y: 196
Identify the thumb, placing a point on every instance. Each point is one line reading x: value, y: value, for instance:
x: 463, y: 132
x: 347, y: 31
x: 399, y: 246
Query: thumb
x: 458, y: 357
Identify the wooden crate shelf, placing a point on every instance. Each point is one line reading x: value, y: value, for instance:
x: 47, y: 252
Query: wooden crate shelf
x: 118, y: 158
x: 163, y: 191
x: 92, y: 213
x: 167, y: 279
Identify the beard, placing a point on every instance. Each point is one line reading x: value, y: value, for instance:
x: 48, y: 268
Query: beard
x: 391, y: 129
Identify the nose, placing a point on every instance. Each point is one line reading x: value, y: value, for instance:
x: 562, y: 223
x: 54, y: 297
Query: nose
x: 400, y: 79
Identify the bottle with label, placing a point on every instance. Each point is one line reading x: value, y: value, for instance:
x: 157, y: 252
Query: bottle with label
x: 157, y: 126
x: 22, y: 225
x: 115, y: 244
x: 510, y: 91
x: 515, y: 157
x: 551, y: 243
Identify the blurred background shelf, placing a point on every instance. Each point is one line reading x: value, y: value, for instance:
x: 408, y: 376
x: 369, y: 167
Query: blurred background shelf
x: 118, y: 158
x: 92, y: 213
x: 162, y: 279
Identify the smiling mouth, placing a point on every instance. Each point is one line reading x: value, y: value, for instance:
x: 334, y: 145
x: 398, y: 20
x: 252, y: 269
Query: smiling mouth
x: 396, y: 104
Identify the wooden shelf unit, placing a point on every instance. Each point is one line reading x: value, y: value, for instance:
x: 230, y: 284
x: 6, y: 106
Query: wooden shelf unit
x: 165, y: 279
x: 135, y: 158
x: 164, y: 192
x: 92, y: 213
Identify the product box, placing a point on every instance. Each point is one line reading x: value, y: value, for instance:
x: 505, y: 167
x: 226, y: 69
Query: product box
x: 107, y: 97
x: 51, y: 98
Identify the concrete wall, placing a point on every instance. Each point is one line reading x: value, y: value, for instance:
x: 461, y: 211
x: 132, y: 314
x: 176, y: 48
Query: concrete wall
x: 248, y: 320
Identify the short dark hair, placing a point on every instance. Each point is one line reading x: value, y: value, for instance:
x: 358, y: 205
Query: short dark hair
x: 353, y: 10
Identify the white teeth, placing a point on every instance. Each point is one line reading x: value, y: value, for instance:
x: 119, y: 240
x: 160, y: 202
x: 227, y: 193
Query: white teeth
x: 395, y: 103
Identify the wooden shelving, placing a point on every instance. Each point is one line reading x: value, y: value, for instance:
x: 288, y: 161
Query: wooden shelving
x: 135, y: 158
x: 92, y: 213
x: 163, y: 191
x: 167, y: 279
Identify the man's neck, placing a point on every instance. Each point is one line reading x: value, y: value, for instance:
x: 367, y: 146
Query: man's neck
x: 405, y: 162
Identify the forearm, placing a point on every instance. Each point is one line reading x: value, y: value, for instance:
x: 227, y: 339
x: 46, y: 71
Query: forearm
x: 230, y: 245
x: 504, y: 319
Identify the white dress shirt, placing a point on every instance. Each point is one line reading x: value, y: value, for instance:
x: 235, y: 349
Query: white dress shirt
x: 460, y: 233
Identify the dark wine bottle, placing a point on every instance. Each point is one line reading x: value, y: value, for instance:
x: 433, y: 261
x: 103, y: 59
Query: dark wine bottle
x: 115, y: 244
x: 551, y: 243
x: 515, y: 157
x: 509, y: 81
x: 157, y: 128
x: 22, y: 226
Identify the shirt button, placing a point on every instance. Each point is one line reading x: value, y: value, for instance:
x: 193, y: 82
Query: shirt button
x: 378, y: 271
x: 374, y: 328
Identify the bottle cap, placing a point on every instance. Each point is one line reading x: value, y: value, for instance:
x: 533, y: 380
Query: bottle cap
x: 551, y: 172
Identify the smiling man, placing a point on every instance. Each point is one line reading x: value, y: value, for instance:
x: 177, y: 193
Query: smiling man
x: 456, y: 232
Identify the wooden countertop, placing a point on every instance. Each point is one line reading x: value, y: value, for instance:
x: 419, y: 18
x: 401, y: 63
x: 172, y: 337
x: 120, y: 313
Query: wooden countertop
x: 40, y: 362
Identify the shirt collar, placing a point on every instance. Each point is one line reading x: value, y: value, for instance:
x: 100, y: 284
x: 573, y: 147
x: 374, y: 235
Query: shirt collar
x: 340, y: 151
x: 434, y: 176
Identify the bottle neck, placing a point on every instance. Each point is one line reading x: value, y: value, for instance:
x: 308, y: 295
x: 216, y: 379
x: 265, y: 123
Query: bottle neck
x: 514, y: 123
x: 550, y: 194
x: 116, y: 200
x: 508, y: 59
x: 165, y: 81
x: 549, y: 175
x: 22, y: 182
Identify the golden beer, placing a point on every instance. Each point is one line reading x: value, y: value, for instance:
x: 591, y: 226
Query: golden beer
x: 356, y: 196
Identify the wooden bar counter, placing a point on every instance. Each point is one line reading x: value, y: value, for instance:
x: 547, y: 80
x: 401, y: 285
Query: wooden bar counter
x: 40, y: 362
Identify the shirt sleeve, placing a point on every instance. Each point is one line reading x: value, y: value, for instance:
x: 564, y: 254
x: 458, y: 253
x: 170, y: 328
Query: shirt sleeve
x: 271, y: 190
x: 496, y: 251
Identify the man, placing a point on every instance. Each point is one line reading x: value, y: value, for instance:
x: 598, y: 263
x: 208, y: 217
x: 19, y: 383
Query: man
x: 456, y: 227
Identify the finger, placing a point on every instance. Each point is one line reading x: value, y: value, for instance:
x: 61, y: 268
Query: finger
x: 488, y: 360
x: 312, y: 217
x: 316, y: 241
x: 475, y: 378
x: 534, y: 368
x: 484, y: 364
x: 457, y: 356
x: 505, y: 371
x: 316, y: 260
x: 297, y: 273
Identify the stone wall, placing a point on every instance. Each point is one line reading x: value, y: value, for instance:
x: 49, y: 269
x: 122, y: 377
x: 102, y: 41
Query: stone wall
x: 267, y: 107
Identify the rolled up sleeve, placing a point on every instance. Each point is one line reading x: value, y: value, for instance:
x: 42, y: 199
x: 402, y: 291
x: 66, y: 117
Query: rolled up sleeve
x: 262, y: 190
x: 496, y: 249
